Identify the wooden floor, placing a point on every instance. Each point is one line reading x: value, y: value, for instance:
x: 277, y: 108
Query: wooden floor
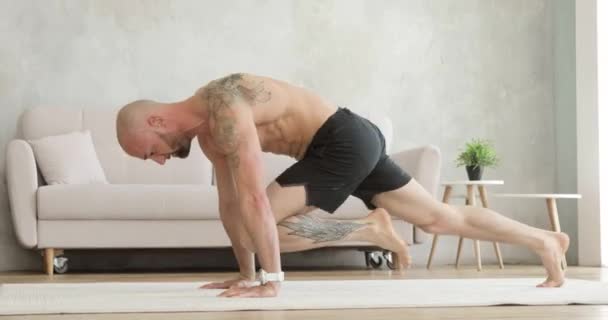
x: 502, y: 312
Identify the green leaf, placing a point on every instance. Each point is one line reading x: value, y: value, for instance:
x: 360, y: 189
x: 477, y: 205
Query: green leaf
x: 478, y: 153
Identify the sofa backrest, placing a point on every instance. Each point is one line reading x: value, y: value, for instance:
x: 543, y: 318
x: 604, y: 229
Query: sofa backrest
x: 119, y: 167
x: 274, y: 165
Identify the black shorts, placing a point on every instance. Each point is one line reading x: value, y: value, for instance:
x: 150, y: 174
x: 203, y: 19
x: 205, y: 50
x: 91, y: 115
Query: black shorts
x: 347, y: 156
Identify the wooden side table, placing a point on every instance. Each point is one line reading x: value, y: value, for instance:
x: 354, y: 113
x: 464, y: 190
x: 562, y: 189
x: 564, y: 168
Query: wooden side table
x: 470, y: 200
x: 551, y: 201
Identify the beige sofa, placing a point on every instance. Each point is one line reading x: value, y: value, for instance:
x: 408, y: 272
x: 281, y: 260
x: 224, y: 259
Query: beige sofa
x: 145, y: 205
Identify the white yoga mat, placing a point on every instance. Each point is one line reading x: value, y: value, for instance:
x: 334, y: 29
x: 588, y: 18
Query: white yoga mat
x: 110, y: 297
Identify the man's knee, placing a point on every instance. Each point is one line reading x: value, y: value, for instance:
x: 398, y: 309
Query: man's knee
x: 444, y: 219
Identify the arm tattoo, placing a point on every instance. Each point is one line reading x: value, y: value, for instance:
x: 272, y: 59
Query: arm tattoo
x: 236, y: 86
x: 222, y: 96
x: 234, y: 160
x: 320, y: 230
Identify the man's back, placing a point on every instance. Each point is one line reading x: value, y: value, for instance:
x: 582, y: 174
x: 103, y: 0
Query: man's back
x: 286, y: 116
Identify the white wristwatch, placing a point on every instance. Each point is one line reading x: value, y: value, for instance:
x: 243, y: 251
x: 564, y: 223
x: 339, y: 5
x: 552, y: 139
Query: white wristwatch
x: 265, y: 277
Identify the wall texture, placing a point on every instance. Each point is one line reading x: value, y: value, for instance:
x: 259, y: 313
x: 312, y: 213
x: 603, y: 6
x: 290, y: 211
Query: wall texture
x: 564, y: 94
x: 444, y: 70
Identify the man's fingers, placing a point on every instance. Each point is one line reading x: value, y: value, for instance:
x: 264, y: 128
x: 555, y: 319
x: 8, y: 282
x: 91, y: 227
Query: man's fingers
x: 248, y: 294
x: 215, y: 285
x: 228, y: 293
x: 235, y: 294
x: 236, y: 285
x: 243, y: 293
x: 238, y: 292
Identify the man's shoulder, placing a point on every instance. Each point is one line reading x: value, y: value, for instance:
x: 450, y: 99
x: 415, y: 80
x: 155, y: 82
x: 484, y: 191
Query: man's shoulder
x: 229, y: 82
x: 238, y: 77
x: 246, y: 87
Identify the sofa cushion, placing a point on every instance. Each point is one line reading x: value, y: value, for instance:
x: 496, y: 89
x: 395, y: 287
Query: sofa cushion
x: 68, y: 159
x: 127, y: 202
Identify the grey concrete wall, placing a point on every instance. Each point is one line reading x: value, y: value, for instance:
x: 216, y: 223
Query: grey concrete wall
x: 564, y: 79
x: 445, y: 71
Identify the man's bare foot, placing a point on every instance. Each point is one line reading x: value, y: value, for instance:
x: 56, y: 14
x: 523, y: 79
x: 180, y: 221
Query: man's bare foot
x: 387, y: 238
x: 552, y: 254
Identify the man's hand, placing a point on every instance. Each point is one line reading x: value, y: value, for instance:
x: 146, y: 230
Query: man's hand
x: 270, y: 289
x: 240, y: 282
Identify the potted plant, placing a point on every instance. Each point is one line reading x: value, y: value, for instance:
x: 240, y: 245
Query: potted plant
x: 478, y: 154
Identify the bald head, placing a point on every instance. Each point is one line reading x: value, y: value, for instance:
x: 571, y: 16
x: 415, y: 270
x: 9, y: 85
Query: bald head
x: 152, y: 130
x: 132, y: 119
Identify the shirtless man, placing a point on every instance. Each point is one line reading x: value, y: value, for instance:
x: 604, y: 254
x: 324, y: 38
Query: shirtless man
x: 238, y: 117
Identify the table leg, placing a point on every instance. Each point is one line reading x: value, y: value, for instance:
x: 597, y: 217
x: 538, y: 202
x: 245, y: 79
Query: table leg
x: 555, y: 225
x: 459, y: 251
x: 477, y: 254
x: 446, y: 198
x: 470, y: 195
x: 483, y: 194
x: 471, y: 201
x: 553, y: 216
x: 433, y: 245
x: 498, y: 255
x: 460, y: 240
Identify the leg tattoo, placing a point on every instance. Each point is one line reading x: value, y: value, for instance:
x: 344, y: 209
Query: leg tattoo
x: 320, y: 230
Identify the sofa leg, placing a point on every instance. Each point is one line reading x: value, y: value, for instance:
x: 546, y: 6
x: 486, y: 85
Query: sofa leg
x: 49, y: 256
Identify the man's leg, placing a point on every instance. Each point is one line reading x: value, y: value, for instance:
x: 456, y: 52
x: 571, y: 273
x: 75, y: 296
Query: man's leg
x: 414, y: 204
x: 300, y: 231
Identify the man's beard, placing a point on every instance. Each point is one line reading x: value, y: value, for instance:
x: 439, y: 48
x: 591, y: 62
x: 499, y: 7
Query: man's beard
x: 182, y: 143
x: 184, y: 148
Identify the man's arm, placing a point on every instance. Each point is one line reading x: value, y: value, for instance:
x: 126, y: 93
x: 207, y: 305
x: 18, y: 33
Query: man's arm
x: 234, y: 132
x: 229, y: 206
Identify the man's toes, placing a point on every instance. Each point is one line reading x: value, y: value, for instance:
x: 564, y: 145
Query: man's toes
x: 407, y: 261
x: 550, y: 284
x: 404, y: 261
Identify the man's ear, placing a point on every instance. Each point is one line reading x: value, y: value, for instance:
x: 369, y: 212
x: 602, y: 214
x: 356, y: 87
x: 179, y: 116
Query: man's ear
x: 156, y: 121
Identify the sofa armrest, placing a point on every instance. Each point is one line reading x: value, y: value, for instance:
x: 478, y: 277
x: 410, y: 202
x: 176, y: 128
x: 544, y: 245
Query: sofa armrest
x: 423, y: 164
x: 22, y: 179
